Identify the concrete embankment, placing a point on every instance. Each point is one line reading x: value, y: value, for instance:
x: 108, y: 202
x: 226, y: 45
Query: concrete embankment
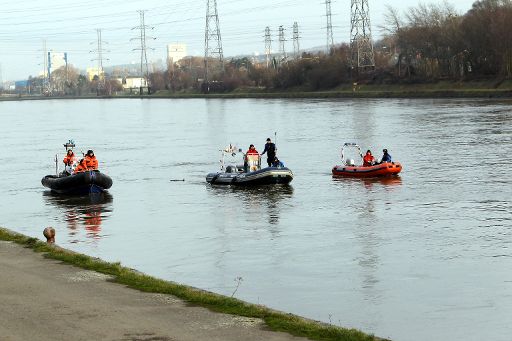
x: 43, y: 298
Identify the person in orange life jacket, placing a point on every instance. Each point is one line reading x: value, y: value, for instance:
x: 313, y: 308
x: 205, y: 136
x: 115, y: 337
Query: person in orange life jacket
x: 270, y: 149
x: 91, y: 161
x: 70, y: 158
x: 82, y: 167
x: 368, y: 159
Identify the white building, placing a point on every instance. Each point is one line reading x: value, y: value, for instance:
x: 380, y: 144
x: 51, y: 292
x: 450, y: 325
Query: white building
x: 175, y: 53
x: 57, y: 60
x: 132, y: 83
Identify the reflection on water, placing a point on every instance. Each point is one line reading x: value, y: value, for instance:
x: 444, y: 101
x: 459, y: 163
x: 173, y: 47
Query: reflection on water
x: 82, y: 211
x: 263, y: 200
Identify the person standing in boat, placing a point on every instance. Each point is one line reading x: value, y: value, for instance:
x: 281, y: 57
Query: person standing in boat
x: 69, y: 160
x: 91, y: 161
x: 368, y: 159
x: 251, y: 151
x: 386, y: 157
x: 270, y: 149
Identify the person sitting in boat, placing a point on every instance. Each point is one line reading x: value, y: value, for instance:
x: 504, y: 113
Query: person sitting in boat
x: 277, y: 163
x: 91, y: 161
x: 69, y: 160
x: 368, y: 159
x: 386, y: 157
x: 82, y: 167
x: 250, y: 154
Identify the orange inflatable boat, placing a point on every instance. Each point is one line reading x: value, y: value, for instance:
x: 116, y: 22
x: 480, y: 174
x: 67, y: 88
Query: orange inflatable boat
x: 350, y: 169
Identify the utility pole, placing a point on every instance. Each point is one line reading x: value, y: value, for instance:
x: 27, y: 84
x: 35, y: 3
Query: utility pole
x: 296, y: 46
x: 212, y: 42
x: 144, y: 70
x: 282, y: 40
x: 100, y: 58
x: 268, y: 46
x: 330, y: 39
x: 1, y: 79
x: 361, y: 44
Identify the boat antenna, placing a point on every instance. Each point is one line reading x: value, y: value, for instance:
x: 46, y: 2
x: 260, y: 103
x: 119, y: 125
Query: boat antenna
x: 275, y: 140
x: 69, y: 145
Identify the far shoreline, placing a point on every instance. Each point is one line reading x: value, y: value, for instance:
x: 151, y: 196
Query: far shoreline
x: 330, y: 94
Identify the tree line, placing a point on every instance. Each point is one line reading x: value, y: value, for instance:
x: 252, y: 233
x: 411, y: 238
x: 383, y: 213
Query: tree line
x: 426, y: 43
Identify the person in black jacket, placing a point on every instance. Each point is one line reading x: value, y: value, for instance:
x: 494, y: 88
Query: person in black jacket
x: 270, y: 149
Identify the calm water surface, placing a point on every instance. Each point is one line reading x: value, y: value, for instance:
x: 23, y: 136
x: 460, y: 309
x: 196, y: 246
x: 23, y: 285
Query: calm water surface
x: 427, y: 256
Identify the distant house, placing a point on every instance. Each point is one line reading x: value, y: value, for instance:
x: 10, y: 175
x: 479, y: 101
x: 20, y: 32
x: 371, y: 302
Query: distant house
x: 132, y: 83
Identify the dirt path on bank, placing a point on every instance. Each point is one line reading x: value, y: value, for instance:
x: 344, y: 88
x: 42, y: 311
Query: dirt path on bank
x: 43, y: 299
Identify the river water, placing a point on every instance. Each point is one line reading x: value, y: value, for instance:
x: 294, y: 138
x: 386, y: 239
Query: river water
x: 427, y: 256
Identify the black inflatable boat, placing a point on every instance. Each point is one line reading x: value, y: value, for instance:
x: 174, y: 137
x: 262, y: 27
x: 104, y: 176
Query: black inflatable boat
x: 265, y: 176
x: 80, y: 183
x: 248, y: 174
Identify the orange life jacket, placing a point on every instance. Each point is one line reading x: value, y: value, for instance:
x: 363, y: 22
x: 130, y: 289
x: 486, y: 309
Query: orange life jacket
x: 368, y: 159
x: 82, y: 167
x: 69, y: 159
x: 91, y: 162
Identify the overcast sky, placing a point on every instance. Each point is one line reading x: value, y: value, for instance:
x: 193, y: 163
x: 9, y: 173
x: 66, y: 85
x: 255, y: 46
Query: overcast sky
x: 69, y: 26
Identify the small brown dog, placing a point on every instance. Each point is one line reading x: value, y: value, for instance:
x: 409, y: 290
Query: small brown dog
x: 49, y: 233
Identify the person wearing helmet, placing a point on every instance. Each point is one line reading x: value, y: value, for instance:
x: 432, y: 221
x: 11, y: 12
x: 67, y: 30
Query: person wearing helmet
x: 91, y: 161
x: 385, y: 157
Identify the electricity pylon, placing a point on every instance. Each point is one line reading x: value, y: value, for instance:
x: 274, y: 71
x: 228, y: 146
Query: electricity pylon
x: 144, y: 69
x: 268, y: 46
x: 296, y: 45
x: 212, y: 41
x: 361, y: 44
x: 282, y: 40
x: 328, y: 14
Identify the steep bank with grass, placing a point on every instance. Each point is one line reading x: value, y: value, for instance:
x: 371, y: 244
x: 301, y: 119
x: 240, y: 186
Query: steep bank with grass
x: 274, y: 320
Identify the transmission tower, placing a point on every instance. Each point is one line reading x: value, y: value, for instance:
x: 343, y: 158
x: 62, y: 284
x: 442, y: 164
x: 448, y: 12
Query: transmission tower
x: 100, y: 58
x: 330, y: 39
x: 296, y: 46
x: 144, y: 69
x: 212, y: 41
x: 46, y: 86
x: 282, y: 40
x: 361, y: 44
x: 268, y: 46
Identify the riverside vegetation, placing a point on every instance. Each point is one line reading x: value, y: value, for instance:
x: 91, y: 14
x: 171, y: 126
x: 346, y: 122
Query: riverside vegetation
x: 427, y: 51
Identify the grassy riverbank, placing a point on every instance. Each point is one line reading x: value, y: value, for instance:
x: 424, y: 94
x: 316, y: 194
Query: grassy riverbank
x: 480, y: 89
x: 275, y: 320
